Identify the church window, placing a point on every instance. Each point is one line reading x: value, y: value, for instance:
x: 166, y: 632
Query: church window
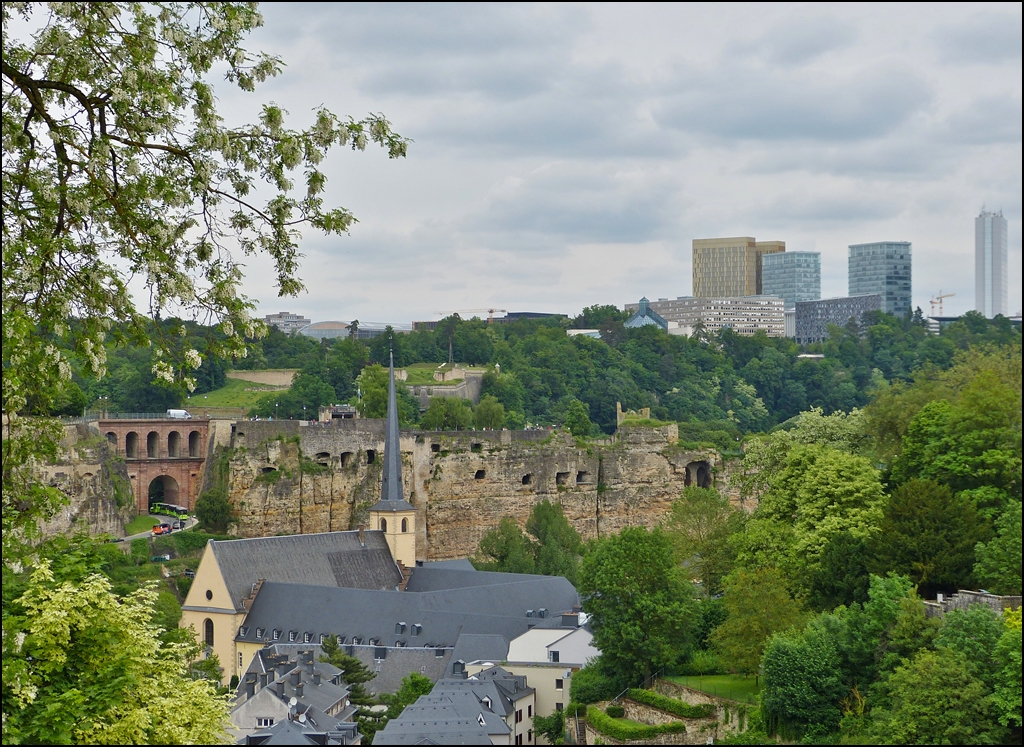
x: 383, y: 525
x: 208, y: 631
x: 405, y: 525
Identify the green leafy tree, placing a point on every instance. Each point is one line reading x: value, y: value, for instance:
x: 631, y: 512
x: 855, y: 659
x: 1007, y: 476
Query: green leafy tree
x: 974, y: 632
x: 559, y: 547
x: 928, y: 535
x: 934, y: 699
x: 700, y: 526
x: 116, y: 165
x: 758, y: 607
x: 82, y: 665
x: 802, y: 684
x: 354, y: 673
x: 373, y: 402
x: 308, y: 393
x: 998, y: 565
x: 213, y: 510
x: 1007, y: 695
x: 447, y: 414
x: 506, y: 548
x: 489, y: 413
x: 641, y: 609
x: 842, y: 574
x: 552, y: 727
x: 577, y: 418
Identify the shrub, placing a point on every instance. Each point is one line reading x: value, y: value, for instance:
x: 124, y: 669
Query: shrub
x: 671, y: 705
x: 590, y: 685
x: 140, y: 550
x: 184, y: 584
x: 575, y: 708
x: 701, y: 663
x: 189, y: 542
x: 615, y: 711
x: 625, y: 730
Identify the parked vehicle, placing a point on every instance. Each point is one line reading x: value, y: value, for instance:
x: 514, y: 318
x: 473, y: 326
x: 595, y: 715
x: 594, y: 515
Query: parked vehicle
x: 190, y: 573
x: 162, y: 529
x: 179, y: 414
x: 159, y: 558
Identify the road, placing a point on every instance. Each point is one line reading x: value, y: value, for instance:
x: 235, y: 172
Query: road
x: 189, y: 523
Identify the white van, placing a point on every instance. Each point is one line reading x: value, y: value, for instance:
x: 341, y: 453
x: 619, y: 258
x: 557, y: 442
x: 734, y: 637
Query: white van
x: 179, y: 414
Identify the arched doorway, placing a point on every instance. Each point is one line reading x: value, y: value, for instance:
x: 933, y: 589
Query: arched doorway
x: 163, y: 489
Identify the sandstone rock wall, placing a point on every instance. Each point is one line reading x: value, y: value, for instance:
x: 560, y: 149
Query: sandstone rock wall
x: 288, y: 478
x: 95, y: 481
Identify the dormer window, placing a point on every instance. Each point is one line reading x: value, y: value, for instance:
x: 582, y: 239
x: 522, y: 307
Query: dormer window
x: 486, y: 702
x: 323, y: 637
x: 480, y: 720
x: 399, y: 628
x: 307, y: 637
x: 242, y: 631
x: 417, y: 629
x: 277, y: 634
x: 260, y: 632
x: 292, y: 635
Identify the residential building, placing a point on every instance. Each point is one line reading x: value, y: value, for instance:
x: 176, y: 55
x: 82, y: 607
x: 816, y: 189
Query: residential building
x: 492, y: 706
x: 286, y: 321
x: 991, y: 275
x: 289, y: 683
x: 814, y: 317
x: 882, y: 267
x: 645, y: 317
x: 792, y: 276
x: 730, y: 266
x: 745, y: 315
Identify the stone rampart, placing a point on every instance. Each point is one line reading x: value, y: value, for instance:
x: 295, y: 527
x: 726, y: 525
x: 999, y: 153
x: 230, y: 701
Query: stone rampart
x: 287, y: 477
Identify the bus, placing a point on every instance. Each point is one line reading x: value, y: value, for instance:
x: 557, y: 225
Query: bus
x: 169, y: 509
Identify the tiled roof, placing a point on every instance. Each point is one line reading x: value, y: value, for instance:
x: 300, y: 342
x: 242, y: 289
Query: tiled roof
x: 326, y: 559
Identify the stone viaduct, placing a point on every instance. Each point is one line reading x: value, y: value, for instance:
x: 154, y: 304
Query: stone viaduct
x: 165, y: 457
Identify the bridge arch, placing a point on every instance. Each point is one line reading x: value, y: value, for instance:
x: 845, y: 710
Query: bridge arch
x: 173, y: 444
x: 163, y: 489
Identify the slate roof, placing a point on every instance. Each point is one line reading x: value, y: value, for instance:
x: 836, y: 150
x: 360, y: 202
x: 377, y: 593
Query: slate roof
x: 453, y: 711
x: 496, y: 609
x: 392, y: 496
x: 474, y: 647
x: 326, y: 559
x: 437, y: 576
x: 289, y: 731
x: 458, y: 564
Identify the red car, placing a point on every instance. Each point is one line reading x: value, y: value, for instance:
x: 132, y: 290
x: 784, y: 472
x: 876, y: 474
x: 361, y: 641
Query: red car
x: 162, y: 529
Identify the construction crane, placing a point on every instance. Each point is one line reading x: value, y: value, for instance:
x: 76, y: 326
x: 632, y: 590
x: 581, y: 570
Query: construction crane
x: 937, y: 301
x: 460, y: 312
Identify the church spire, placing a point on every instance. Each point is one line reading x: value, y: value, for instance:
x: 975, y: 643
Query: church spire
x: 391, y: 494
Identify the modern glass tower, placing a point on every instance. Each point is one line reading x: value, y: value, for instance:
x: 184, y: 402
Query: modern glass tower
x: 792, y: 276
x: 882, y: 267
x: 991, y: 280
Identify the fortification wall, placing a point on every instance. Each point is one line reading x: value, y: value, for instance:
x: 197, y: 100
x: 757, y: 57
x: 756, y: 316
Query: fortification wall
x: 288, y: 478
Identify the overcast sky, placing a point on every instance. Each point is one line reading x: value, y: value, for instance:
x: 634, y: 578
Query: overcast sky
x: 567, y: 155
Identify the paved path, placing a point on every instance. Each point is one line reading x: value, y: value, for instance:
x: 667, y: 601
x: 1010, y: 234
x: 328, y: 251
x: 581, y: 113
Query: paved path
x: 189, y: 523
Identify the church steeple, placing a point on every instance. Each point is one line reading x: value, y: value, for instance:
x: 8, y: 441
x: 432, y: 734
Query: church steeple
x: 392, y: 514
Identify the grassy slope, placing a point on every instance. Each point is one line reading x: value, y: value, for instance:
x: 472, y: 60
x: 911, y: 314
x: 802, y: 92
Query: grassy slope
x: 141, y: 523
x: 234, y: 394
x: 731, y: 686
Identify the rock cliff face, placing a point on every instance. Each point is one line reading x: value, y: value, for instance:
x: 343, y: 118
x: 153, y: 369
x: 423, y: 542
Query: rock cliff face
x: 95, y: 482
x: 286, y: 479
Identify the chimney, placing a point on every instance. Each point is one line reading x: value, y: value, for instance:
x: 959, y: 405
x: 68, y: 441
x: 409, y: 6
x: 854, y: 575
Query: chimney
x: 296, y: 677
x: 308, y: 656
x: 570, y: 620
x: 250, y: 684
x: 280, y: 689
x: 263, y: 679
x: 316, y: 677
x: 298, y: 690
x: 362, y: 538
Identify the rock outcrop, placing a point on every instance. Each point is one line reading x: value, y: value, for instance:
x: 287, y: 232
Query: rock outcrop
x: 287, y: 478
x: 95, y: 482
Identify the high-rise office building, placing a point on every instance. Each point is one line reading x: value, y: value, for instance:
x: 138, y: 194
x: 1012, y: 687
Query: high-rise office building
x: 991, y: 280
x: 882, y: 267
x: 730, y: 266
x: 814, y: 317
x: 792, y: 276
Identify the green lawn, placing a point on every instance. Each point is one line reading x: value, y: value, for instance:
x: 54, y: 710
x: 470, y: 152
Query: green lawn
x: 731, y: 686
x: 233, y: 394
x: 141, y: 523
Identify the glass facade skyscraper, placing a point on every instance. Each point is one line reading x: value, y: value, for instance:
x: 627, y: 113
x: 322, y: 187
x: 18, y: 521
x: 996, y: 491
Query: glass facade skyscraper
x: 991, y: 279
x: 882, y: 267
x: 792, y: 276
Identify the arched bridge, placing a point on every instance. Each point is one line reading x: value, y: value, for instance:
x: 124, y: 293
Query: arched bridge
x: 165, y: 457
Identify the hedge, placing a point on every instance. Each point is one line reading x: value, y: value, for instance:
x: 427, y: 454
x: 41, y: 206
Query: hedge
x: 626, y: 730
x: 615, y: 711
x: 671, y: 705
